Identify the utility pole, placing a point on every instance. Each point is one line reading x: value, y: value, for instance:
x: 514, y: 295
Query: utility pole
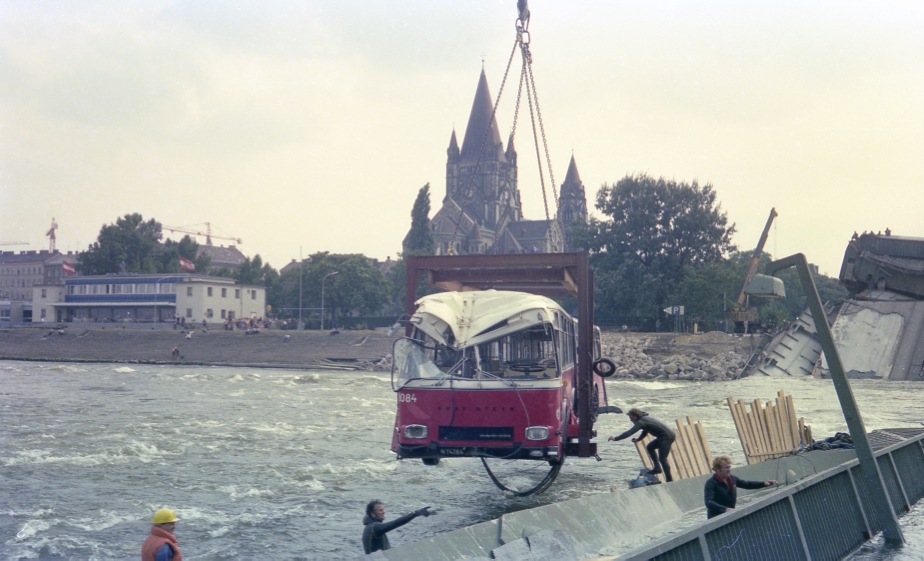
x: 869, y: 467
x: 301, y: 265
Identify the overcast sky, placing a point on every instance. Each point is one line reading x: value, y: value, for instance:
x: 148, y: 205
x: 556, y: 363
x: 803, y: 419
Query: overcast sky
x: 313, y: 124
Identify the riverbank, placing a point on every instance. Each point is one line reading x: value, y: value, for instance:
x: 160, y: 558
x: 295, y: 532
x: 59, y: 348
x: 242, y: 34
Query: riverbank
x: 707, y: 356
x: 350, y: 350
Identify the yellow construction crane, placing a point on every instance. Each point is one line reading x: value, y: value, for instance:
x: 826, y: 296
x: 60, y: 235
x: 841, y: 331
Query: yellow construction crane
x: 207, y: 234
x: 740, y: 313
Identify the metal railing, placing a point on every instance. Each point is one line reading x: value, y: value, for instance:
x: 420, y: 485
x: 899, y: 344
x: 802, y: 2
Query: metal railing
x: 824, y: 516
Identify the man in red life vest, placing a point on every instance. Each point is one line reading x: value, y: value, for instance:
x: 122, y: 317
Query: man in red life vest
x: 721, y: 491
x: 161, y: 544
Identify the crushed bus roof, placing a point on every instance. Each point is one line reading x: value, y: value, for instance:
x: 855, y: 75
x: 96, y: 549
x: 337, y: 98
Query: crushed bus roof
x: 481, y: 315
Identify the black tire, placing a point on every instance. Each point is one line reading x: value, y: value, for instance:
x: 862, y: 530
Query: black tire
x: 430, y: 461
x: 604, y: 367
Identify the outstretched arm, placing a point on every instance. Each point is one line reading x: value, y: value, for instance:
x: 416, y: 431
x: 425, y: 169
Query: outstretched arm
x: 635, y: 428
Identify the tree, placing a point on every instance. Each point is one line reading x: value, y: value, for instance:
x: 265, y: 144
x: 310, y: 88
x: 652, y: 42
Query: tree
x: 133, y: 245
x: 420, y: 238
x: 419, y: 241
x: 255, y: 272
x: 656, y: 230
x: 358, y: 285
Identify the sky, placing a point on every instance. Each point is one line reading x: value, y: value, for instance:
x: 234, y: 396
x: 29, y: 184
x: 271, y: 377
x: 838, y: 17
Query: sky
x: 301, y: 126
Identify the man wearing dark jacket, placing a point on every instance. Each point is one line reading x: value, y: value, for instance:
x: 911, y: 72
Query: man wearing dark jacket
x: 659, y: 448
x: 375, y: 527
x: 721, y: 491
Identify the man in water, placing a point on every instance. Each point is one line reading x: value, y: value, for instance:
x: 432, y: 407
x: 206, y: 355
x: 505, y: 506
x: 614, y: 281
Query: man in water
x: 375, y: 527
x: 721, y: 491
x: 658, y: 448
x: 161, y: 544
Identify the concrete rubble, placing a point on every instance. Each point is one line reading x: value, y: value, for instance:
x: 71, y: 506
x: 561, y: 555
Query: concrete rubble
x: 703, y: 357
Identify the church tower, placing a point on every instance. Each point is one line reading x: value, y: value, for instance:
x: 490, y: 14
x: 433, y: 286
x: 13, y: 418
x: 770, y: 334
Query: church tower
x: 482, y: 211
x: 490, y: 192
x: 573, y: 203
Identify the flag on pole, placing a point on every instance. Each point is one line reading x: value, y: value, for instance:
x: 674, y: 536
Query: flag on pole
x: 187, y: 264
x: 68, y: 268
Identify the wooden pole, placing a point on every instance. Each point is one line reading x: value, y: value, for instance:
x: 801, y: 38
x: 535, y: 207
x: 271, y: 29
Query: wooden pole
x: 706, y: 451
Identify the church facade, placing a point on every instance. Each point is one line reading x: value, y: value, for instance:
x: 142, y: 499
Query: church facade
x: 481, y: 211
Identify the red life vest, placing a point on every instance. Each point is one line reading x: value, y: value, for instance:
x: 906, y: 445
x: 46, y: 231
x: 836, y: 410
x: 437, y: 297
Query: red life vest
x: 155, y: 541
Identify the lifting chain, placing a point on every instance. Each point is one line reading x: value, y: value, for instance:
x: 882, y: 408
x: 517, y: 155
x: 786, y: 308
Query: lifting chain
x: 527, y: 78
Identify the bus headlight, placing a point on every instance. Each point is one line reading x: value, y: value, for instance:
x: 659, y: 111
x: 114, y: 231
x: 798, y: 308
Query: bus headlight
x: 415, y: 431
x: 537, y: 433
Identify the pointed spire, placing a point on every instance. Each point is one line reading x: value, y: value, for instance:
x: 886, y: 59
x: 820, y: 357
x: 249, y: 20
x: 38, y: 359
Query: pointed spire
x: 572, y: 177
x: 453, y: 150
x: 510, y: 148
x: 479, y: 122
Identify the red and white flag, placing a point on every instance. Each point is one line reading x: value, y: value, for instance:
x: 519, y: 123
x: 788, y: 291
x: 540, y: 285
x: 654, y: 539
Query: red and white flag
x: 68, y: 268
x: 187, y: 264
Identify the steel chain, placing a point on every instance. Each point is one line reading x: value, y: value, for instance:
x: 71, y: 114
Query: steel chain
x: 548, y: 160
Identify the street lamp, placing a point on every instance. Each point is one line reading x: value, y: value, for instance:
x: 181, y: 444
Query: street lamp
x: 767, y: 286
x: 301, y: 270
x: 322, y: 295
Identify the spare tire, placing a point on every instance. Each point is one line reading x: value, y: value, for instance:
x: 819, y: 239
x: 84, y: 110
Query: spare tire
x: 604, y: 368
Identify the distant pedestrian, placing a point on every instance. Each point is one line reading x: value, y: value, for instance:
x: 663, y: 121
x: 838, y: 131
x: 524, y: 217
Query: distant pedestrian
x: 375, y: 527
x: 659, y: 448
x: 176, y: 353
x: 721, y: 491
x: 161, y: 544
x: 205, y: 325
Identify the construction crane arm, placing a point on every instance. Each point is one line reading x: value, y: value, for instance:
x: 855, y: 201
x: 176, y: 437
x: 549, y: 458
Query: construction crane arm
x: 755, y: 258
x: 207, y: 234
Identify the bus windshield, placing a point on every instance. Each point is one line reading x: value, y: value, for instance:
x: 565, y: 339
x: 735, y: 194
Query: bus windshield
x: 527, y: 354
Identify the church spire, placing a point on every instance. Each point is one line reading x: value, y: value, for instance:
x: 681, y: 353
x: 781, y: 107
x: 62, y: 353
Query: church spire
x: 481, y: 121
x: 453, y: 150
x: 572, y: 178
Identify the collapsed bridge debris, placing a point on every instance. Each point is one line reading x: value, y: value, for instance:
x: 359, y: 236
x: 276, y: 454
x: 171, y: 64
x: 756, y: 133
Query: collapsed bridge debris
x: 879, y: 330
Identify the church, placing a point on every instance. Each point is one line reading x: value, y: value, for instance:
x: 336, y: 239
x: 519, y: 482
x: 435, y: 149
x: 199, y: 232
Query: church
x: 481, y: 212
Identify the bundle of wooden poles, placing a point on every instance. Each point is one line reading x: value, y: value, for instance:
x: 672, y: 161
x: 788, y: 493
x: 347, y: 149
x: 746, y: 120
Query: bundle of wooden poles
x: 690, y: 455
x: 769, y: 431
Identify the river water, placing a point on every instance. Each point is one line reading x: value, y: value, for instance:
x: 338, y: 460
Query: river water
x: 279, y: 464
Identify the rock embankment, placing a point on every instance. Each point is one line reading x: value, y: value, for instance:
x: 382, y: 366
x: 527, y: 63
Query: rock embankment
x: 703, y: 357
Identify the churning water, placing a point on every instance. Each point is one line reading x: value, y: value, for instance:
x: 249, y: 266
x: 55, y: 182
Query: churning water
x: 276, y: 464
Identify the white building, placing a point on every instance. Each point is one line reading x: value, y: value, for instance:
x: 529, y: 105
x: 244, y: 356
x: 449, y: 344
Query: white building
x: 142, y: 298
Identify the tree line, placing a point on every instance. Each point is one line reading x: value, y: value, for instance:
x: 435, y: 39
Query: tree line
x: 660, y: 243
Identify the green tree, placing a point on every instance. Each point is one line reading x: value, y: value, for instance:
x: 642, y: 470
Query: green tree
x: 135, y: 245
x: 420, y: 237
x: 419, y: 241
x: 655, y: 231
x: 358, y: 285
x: 255, y: 272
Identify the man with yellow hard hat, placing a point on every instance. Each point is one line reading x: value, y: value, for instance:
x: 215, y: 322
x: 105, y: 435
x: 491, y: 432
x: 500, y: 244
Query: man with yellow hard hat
x: 161, y: 544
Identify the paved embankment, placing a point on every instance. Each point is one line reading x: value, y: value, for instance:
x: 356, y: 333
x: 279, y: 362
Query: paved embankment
x: 360, y: 350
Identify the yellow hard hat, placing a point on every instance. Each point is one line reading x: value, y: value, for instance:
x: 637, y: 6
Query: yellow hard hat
x: 165, y: 516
